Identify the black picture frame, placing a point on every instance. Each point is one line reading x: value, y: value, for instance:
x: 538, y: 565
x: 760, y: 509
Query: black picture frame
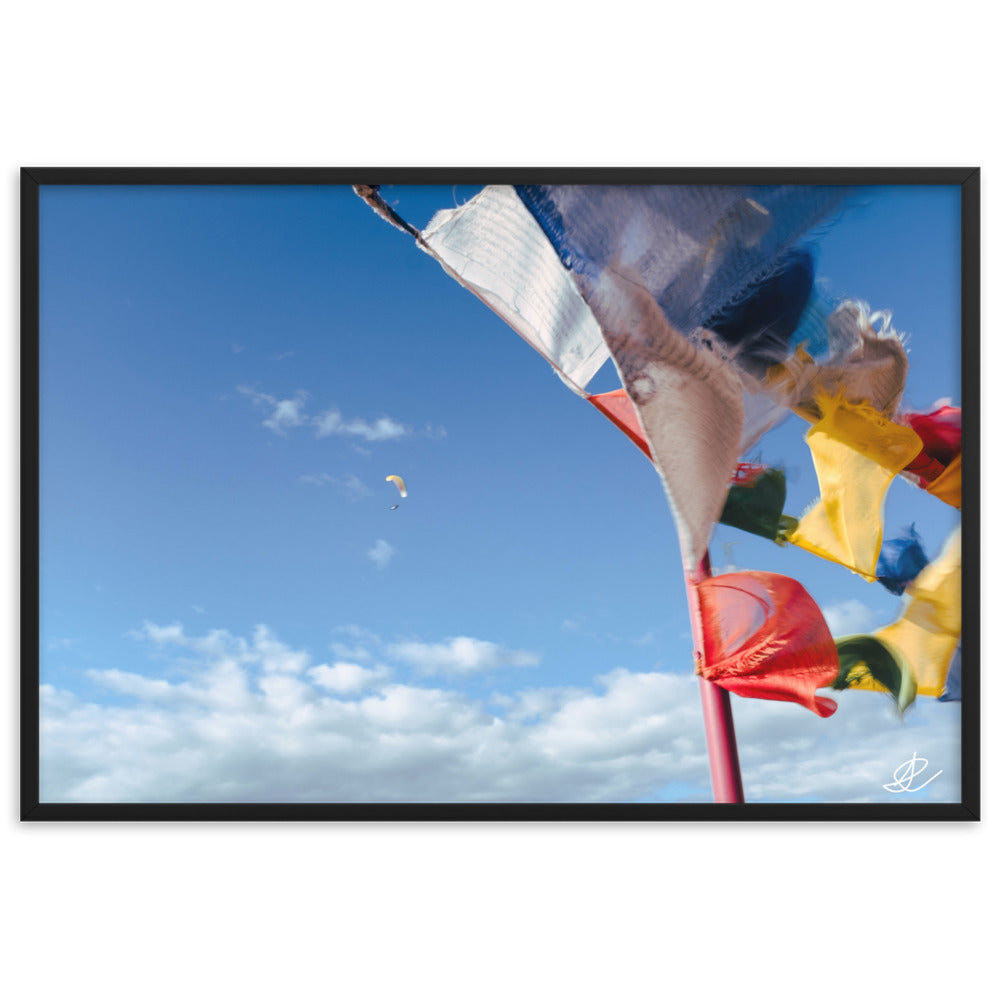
x: 33, y: 180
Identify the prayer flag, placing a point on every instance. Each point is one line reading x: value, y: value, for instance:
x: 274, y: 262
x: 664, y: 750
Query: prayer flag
x: 868, y: 662
x: 900, y: 560
x: 688, y: 401
x: 764, y: 637
x: 492, y: 246
x: 618, y: 408
x: 856, y: 452
x: 755, y: 503
x: 928, y: 631
x: 697, y: 249
x: 948, y: 485
x: 864, y: 365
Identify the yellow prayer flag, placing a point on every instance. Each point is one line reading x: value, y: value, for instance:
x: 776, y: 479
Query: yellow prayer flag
x: 930, y: 627
x: 925, y: 636
x: 856, y: 452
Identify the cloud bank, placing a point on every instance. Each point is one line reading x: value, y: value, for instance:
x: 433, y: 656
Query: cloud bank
x: 235, y: 719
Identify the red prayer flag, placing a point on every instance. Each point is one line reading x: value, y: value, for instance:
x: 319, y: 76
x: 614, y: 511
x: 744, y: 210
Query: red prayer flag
x: 941, y: 434
x: 764, y: 637
x: 618, y: 408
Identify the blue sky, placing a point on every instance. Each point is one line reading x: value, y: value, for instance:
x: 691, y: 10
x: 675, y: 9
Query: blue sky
x: 230, y: 609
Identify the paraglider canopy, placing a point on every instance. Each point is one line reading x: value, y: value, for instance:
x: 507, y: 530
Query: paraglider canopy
x: 400, y: 485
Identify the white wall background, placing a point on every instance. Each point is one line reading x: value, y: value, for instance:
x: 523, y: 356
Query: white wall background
x: 493, y: 910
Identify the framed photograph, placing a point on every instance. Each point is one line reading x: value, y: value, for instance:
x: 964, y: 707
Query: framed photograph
x: 500, y: 495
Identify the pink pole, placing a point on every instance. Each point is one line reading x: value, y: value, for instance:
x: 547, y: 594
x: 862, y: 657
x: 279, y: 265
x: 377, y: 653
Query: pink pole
x: 720, y: 734
x: 723, y: 758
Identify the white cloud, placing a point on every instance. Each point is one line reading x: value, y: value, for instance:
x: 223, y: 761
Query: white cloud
x: 536, y: 703
x: 347, y: 678
x: 285, y: 696
x: 137, y: 685
x: 276, y: 657
x: 161, y: 633
x: 216, y: 642
x: 381, y: 552
x: 849, y: 617
x: 254, y: 720
x: 285, y: 413
x: 461, y: 655
x: 381, y: 429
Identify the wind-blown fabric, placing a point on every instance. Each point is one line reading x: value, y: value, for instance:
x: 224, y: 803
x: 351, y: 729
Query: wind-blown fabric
x: 721, y: 263
x: 689, y: 404
x: 703, y: 298
x: 759, y: 415
x: 864, y: 429
x: 900, y: 560
x: 866, y: 661
x: 941, y: 434
x: 653, y: 265
x: 948, y: 486
x: 756, y: 502
x: 856, y: 452
x: 697, y: 249
x: 864, y: 364
x: 927, y: 633
x: 761, y: 325
x: 764, y: 637
x: 618, y: 408
x: 493, y: 247
x: 938, y: 467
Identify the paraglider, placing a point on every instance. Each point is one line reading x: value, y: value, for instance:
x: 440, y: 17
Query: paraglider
x: 400, y: 485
